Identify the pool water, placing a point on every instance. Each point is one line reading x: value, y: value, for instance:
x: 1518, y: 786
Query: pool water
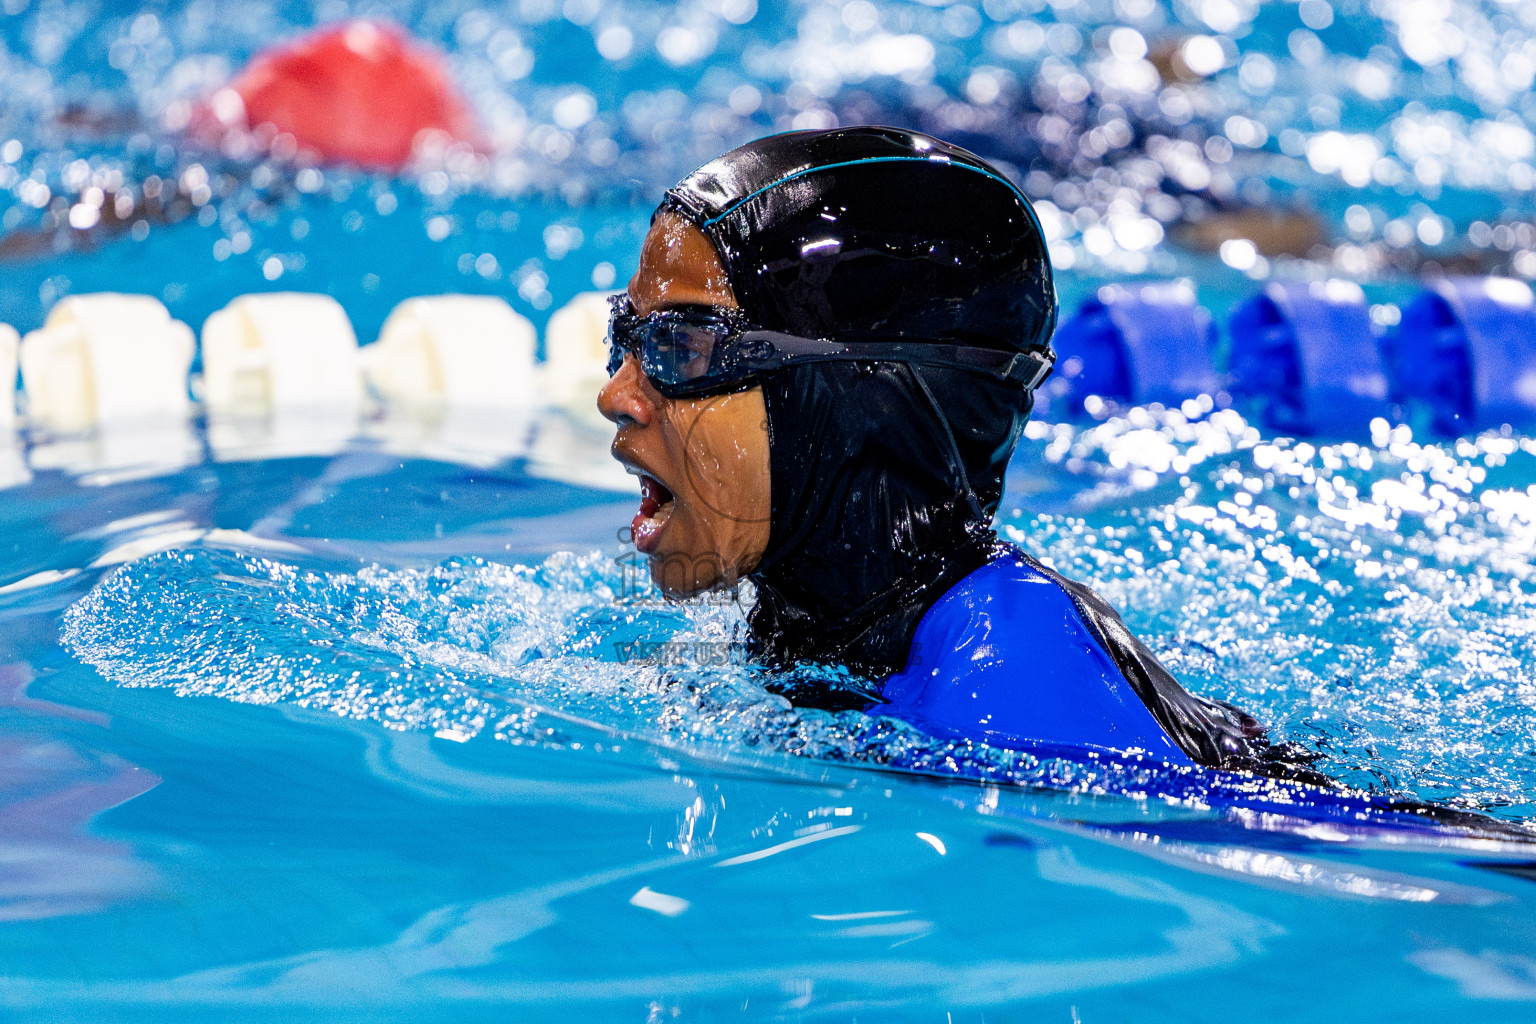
x: 365, y: 746
x: 335, y: 721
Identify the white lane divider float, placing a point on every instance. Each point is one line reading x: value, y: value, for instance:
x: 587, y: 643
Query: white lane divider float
x: 573, y: 447
x: 284, y: 350
x: 456, y: 374
x: 9, y: 342
x: 454, y: 351
x: 13, y: 462
x: 576, y: 355
x: 106, y: 358
x: 281, y: 377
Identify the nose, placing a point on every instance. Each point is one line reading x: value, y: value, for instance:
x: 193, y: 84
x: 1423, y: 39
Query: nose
x: 625, y: 400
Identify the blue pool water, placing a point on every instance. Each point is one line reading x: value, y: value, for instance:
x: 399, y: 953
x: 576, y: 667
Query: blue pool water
x: 380, y: 733
x: 389, y: 763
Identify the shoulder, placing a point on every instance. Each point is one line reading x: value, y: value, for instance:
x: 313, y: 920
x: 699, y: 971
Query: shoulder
x: 1010, y: 586
x: 1007, y: 656
x: 1008, y: 568
x: 1002, y: 615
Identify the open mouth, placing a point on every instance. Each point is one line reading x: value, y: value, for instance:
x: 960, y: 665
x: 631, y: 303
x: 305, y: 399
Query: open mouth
x: 656, y: 504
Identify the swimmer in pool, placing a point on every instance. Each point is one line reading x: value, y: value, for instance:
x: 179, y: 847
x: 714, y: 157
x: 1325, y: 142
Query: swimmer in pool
x: 819, y: 373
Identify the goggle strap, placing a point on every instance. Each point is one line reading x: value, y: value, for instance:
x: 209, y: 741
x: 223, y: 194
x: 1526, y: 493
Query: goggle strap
x: 1028, y: 368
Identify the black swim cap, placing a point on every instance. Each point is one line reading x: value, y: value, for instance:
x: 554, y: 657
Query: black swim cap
x: 884, y: 475
x: 867, y: 232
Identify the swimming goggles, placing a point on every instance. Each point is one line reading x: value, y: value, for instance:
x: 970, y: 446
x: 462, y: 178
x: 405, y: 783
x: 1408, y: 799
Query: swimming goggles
x: 690, y: 351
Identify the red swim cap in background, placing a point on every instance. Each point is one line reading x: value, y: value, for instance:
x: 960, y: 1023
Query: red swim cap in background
x: 358, y: 93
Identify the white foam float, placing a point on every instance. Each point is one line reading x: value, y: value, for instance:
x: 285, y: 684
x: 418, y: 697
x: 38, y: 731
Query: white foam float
x: 10, y: 341
x: 106, y: 358
x: 454, y: 352
x: 573, y: 448
x: 280, y: 351
x: 456, y: 374
x: 576, y: 354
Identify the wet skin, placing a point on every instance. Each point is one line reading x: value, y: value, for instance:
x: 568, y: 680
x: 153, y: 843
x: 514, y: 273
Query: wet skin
x: 702, y: 462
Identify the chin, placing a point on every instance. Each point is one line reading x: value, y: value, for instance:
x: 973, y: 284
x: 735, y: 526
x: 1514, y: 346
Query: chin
x: 680, y: 574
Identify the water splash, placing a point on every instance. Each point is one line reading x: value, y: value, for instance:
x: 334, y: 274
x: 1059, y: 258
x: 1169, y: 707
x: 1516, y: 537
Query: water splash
x: 1373, y: 601
x: 519, y: 651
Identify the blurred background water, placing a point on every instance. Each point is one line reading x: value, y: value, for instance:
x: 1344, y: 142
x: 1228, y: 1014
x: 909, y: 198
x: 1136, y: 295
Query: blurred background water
x: 350, y: 731
x: 1363, y: 139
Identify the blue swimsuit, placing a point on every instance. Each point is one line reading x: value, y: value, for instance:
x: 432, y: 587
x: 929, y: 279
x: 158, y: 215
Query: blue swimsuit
x: 1006, y: 657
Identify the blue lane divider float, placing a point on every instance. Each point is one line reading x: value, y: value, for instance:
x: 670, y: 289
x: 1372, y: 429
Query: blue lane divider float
x: 1466, y: 347
x: 1136, y: 344
x: 1308, y: 351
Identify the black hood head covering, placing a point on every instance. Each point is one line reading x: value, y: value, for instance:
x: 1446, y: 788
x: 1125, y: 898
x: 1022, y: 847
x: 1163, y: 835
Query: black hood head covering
x: 884, y: 475
x: 875, y: 232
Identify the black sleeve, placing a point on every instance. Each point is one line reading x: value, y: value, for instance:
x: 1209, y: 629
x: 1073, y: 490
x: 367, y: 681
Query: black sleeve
x: 1211, y: 732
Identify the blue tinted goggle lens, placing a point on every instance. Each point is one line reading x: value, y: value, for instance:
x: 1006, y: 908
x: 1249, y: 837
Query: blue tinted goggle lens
x: 680, y: 350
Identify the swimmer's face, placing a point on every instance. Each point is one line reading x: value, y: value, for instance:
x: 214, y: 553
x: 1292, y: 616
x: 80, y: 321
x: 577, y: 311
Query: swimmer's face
x: 702, y: 462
